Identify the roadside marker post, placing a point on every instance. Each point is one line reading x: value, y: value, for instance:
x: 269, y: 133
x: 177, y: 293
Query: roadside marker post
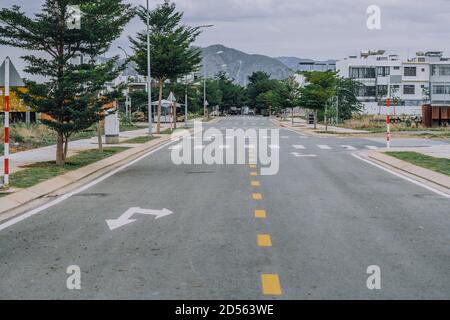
x: 388, y: 118
x: 6, y: 145
x: 9, y: 77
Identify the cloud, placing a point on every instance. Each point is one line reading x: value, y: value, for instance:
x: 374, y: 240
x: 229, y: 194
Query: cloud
x: 317, y: 29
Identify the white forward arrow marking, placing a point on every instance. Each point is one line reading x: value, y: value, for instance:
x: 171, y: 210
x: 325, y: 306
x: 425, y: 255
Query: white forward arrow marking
x: 125, y: 218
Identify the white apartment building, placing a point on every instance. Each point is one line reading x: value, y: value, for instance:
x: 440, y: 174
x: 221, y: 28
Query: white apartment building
x: 414, y: 82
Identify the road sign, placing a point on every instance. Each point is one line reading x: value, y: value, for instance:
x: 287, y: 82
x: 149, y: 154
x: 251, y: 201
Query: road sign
x: 14, y: 78
x: 125, y: 218
x: 171, y: 97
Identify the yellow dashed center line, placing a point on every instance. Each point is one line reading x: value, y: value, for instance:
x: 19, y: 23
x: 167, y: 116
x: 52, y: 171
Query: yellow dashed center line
x: 257, y: 196
x: 270, y: 282
x: 271, y: 285
x: 264, y: 240
x: 260, y: 214
x: 256, y: 184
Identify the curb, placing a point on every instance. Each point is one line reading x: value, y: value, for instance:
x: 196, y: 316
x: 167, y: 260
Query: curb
x: 284, y: 125
x: 45, y: 188
x: 423, y: 173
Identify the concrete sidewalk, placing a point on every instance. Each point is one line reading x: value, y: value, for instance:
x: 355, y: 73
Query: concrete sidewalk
x: 20, y: 159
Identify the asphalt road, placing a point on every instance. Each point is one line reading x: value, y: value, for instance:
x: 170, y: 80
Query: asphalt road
x: 328, y: 217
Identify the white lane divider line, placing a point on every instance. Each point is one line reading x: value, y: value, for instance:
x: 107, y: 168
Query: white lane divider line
x: 348, y: 147
x: 402, y: 176
x: 284, y: 137
x: 324, y: 147
x: 199, y: 147
x: 273, y: 146
x: 224, y: 147
x: 298, y: 147
x: 299, y: 155
x: 372, y: 147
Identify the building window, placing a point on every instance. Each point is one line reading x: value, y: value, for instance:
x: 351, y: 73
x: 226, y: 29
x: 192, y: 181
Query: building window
x: 382, y: 90
x: 396, y: 68
x: 440, y: 70
x: 367, y: 91
x: 383, y: 71
x: 410, y: 71
x: 362, y: 73
x: 409, y: 89
x: 441, y: 89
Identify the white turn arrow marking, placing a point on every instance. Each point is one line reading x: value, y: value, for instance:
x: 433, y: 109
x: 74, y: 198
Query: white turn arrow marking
x: 125, y: 218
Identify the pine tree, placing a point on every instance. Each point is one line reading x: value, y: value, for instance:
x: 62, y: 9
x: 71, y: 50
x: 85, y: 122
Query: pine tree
x: 171, y: 53
x: 72, y: 94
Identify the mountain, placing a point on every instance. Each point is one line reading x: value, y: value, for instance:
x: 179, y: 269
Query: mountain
x: 240, y: 65
x: 308, y: 64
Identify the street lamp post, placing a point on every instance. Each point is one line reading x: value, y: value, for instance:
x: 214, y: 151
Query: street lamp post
x: 124, y: 51
x: 149, y: 79
x: 204, y: 75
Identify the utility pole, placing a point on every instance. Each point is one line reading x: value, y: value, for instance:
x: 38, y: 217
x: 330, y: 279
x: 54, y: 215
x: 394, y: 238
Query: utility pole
x: 149, y: 76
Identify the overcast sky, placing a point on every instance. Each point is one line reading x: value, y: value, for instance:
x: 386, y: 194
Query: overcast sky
x: 318, y: 29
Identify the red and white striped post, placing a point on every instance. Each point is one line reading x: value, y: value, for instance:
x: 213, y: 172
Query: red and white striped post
x: 388, y: 123
x: 6, y: 152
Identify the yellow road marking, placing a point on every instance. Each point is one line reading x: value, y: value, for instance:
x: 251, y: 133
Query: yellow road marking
x: 257, y: 196
x: 252, y: 166
x: 256, y: 184
x: 264, y: 240
x: 253, y: 174
x: 260, y: 214
x: 271, y: 285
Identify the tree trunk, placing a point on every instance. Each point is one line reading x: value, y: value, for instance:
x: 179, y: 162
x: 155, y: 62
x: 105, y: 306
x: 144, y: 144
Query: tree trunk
x: 315, y: 119
x: 60, y: 150
x: 175, y: 115
x: 158, y: 125
x: 292, y: 116
x: 66, y: 148
x: 99, y: 137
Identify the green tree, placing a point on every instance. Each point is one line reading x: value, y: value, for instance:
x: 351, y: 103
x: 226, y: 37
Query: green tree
x: 260, y: 83
x: 70, y: 93
x: 316, y: 95
x: 348, y: 103
x: 233, y: 95
x: 171, y: 53
x: 288, y: 92
x: 269, y: 100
